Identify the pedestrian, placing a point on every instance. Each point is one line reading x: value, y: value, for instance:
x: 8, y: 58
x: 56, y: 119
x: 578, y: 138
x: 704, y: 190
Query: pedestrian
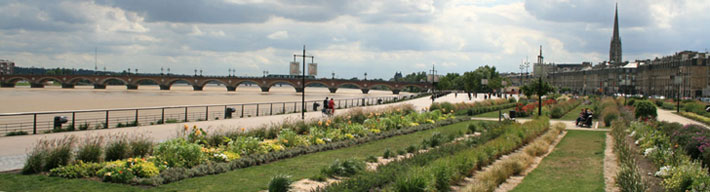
x: 331, y: 104
x: 325, y: 106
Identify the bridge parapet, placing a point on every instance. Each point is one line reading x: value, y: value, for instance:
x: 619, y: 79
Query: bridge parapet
x: 198, y: 82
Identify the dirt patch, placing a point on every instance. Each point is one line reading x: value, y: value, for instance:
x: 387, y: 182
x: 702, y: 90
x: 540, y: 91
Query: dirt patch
x: 611, y: 165
x: 646, y: 168
x: 513, y: 181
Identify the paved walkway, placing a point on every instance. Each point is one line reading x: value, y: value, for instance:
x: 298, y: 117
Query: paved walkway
x: 15, y: 148
x: 668, y: 115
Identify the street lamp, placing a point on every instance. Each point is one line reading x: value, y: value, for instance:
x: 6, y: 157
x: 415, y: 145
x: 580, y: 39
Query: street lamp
x: 365, y: 76
x: 303, y: 80
x: 333, y: 75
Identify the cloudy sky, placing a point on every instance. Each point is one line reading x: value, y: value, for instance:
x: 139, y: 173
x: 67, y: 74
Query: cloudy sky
x: 348, y: 37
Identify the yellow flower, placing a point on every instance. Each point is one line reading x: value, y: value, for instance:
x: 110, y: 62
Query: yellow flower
x: 198, y: 132
x: 327, y: 122
x: 320, y: 123
x: 452, y: 111
x: 185, y: 126
x: 194, y: 127
x: 243, y: 129
x: 285, y: 140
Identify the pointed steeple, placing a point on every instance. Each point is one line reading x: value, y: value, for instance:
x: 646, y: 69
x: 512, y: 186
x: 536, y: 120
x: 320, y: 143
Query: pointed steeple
x: 615, y: 47
x: 616, y: 21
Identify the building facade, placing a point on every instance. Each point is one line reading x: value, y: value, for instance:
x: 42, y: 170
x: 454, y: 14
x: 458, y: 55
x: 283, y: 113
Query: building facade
x: 686, y: 73
x: 6, y: 67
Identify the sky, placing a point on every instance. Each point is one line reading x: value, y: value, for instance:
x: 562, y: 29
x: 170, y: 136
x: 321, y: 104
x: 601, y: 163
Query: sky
x: 346, y: 37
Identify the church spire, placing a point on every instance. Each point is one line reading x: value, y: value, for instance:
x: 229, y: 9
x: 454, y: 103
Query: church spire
x: 615, y: 47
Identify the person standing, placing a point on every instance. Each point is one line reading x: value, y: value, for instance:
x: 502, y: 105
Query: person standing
x: 331, y: 104
x: 325, y: 105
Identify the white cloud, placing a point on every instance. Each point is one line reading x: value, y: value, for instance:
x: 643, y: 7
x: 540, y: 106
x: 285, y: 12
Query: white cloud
x: 279, y: 35
x: 346, y: 37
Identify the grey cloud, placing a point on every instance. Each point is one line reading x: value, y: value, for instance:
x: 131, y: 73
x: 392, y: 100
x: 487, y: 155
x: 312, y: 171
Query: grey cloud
x: 590, y: 11
x: 207, y: 11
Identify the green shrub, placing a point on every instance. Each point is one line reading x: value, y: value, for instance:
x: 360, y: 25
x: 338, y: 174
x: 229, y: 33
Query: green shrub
x: 371, y: 159
x: 35, y: 159
x: 280, y: 183
x: 388, y: 154
x: 668, y: 106
x: 401, y: 152
x: 91, y: 149
x: 117, y: 149
x: 60, y: 154
x: 344, y: 168
x: 15, y: 133
x: 412, y: 148
x: 658, y: 103
x: 84, y: 126
x: 629, y: 179
x: 179, y: 153
x: 414, y: 183
x: 609, y: 114
x: 557, y: 112
x: 140, y: 145
x: 442, y: 178
x: 78, y: 170
x: 645, y: 109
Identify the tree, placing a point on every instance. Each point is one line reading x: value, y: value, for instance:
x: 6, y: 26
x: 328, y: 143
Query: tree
x: 645, y: 109
x: 538, y: 88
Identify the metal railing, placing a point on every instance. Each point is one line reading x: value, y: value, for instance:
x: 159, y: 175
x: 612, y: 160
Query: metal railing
x: 43, y: 122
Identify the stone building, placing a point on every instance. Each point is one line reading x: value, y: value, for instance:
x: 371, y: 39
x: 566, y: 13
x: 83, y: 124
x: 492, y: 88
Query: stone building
x: 6, y: 67
x: 686, y: 72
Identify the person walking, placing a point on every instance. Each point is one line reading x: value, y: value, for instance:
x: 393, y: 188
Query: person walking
x: 331, y: 104
x: 325, y: 106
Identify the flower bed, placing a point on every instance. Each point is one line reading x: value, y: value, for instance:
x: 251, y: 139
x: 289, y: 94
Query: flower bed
x: 695, y: 116
x: 629, y: 176
x: 560, y: 109
x: 438, y: 168
x: 197, y: 153
x: 530, y: 109
x: 677, y: 168
x: 472, y: 109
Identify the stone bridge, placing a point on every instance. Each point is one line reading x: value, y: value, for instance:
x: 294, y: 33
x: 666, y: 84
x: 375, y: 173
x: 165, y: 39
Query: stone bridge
x: 132, y: 81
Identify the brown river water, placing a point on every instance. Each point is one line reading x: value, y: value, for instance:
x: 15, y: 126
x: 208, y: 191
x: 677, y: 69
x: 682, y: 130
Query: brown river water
x: 54, y: 98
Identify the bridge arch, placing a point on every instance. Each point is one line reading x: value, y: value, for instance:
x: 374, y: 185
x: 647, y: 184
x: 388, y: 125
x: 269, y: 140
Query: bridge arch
x: 390, y: 87
x: 205, y: 82
x: 173, y: 81
x: 340, y: 85
x: 14, y: 80
x: 76, y: 80
x: 45, y: 79
x: 104, y: 81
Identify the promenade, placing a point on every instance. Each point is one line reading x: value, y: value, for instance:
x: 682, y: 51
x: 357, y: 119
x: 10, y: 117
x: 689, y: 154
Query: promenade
x: 15, y: 148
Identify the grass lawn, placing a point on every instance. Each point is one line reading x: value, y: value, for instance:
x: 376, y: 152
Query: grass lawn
x: 576, y: 164
x: 494, y: 114
x: 574, y: 113
x: 247, y: 179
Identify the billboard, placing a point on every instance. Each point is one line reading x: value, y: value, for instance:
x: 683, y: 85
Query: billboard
x: 313, y: 69
x: 295, y: 68
x: 432, y: 78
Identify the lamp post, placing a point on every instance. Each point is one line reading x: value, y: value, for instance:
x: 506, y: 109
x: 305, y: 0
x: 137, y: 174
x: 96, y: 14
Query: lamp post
x: 365, y: 76
x: 333, y: 75
x: 303, y: 81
